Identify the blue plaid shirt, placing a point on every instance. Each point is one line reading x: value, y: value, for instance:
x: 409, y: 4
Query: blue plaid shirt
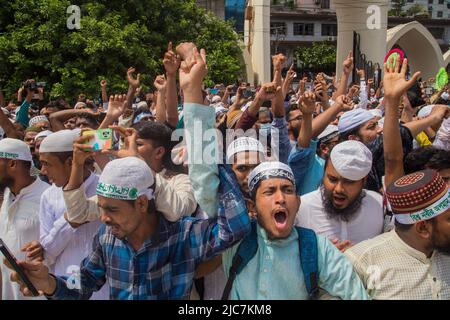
x: 164, y: 267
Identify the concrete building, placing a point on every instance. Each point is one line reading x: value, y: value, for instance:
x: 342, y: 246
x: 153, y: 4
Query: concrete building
x: 215, y: 6
x: 310, y: 21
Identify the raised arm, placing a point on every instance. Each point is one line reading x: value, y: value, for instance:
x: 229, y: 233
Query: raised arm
x: 348, y: 67
x: 160, y: 85
x: 171, y: 64
x: 436, y: 116
x: 290, y: 75
x: 58, y: 118
x: 133, y: 84
x: 103, y: 84
x: 320, y: 122
x: 307, y: 106
x: 116, y: 107
x: 395, y: 86
x: 7, y: 126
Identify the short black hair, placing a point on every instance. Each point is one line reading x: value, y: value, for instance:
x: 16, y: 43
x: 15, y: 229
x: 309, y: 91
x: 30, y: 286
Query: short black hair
x: 95, y: 121
x: 402, y: 227
x: 344, y: 136
x: 427, y: 157
x: 161, y: 136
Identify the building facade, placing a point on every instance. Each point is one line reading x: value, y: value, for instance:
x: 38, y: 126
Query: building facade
x: 299, y: 23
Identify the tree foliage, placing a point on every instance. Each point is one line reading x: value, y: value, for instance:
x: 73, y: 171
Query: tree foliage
x: 36, y: 43
x: 320, y: 55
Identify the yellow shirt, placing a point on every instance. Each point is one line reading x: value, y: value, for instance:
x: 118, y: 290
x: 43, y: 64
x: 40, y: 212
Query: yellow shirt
x: 391, y: 269
x: 423, y: 140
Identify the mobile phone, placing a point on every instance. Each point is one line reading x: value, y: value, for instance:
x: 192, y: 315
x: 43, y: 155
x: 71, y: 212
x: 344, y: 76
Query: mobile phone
x: 102, y: 140
x: 12, y: 261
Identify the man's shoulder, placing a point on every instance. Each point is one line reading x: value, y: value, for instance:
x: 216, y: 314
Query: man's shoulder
x: 371, y: 247
x: 374, y: 197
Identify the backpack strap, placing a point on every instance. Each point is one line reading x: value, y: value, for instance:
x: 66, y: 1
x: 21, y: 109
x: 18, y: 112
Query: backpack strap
x: 245, y: 252
x: 307, y: 241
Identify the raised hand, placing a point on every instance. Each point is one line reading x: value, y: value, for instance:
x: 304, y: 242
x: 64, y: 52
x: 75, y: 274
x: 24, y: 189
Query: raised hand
x: 348, y: 63
x: 321, y: 91
x: 307, y: 103
x: 116, y: 106
x: 267, y: 92
x: 361, y: 73
x: 278, y: 61
x: 103, y: 83
x: 291, y: 74
x: 82, y: 150
x: 395, y: 83
x: 193, y: 76
x: 171, y: 61
x: 160, y: 83
x: 344, y: 102
x: 130, y: 148
x: 135, y: 83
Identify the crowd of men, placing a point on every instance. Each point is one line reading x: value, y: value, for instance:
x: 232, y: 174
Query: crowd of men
x: 334, y: 190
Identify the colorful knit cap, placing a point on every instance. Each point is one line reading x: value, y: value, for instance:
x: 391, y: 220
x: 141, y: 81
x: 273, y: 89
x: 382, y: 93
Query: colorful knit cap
x: 418, y: 196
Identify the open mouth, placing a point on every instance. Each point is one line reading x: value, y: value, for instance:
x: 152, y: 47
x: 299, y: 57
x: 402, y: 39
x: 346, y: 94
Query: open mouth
x: 280, y: 218
x: 339, y: 200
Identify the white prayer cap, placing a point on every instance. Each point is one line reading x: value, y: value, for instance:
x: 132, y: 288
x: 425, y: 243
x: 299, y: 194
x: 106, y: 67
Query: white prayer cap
x: 15, y: 149
x: 267, y: 170
x: 60, y: 141
x: 330, y: 132
x: 244, y: 144
x: 351, y: 159
x: 216, y: 99
x: 376, y: 113
x: 33, y: 121
x: 126, y: 179
x: 354, y: 118
x: 220, y: 109
x: 43, y: 134
x: 80, y: 105
x: 425, y: 111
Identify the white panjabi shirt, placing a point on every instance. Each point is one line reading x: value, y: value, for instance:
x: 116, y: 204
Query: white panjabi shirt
x: 19, y: 225
x: 368, y: 221
x: 65, y: 247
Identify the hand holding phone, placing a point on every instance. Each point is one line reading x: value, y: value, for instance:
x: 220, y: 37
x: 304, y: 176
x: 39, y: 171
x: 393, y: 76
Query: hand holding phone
x: 102, y: 140
x: 13, y: 263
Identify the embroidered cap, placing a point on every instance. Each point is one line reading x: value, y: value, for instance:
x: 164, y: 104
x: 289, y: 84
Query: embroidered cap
x: 418, y: 196
x: 33, y: 121
x: 15, y: 149
x: 267, y: 170
x: 126, y: 179
x: 244, y: 144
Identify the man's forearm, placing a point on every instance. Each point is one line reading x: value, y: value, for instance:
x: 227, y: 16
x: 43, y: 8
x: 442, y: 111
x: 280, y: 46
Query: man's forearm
x: 320, y: 122
x: 342, y: 89
x: 304, y: 138
x: 171, y: 100
x: 420, y: 125
x: 130, y: 96
x: 393, y: 151
x: 161, y: 107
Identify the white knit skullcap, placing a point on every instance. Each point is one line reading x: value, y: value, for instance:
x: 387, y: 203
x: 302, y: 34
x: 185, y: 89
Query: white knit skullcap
x: 126, y: 179
x: 33, y: 121
x: 267, y: 170
x: 60, y: 141
x: 242, y: 144
x: 15, y: 149
x: 351, y: 159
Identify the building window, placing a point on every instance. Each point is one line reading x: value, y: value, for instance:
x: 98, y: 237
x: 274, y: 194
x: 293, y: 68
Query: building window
x: 303, y: 29
x: 410, y: 0
x: 448, y: 5
x: 441, y: 1
x: 430, y: 1
x: 438, y: 33
x: 325, y: 4
x: 329, y: 30
x: 439, y: 14
x: 277, y: 28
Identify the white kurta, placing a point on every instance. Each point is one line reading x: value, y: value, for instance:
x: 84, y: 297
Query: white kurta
x: 367, y: 222
x: 65, y: 247
x: 19, y: 225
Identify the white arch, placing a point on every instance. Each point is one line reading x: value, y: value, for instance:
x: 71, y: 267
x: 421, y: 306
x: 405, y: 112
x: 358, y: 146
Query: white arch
x: 446, y: 58
x: 422, y: 50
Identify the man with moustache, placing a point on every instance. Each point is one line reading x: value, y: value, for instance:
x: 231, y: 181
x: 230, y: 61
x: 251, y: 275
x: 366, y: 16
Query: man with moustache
x: 341, y: 209
x: 19, y: 215
x: 413, y: 260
